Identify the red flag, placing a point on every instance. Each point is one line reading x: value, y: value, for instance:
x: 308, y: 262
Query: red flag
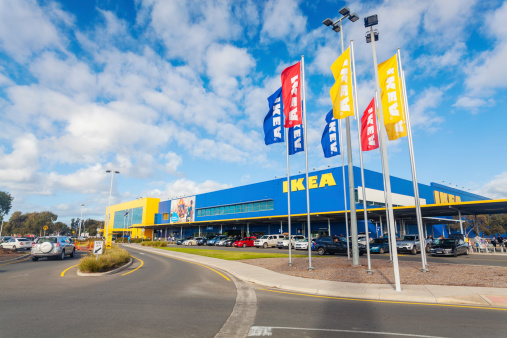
x: 291, y: 92
x: 369, y: 131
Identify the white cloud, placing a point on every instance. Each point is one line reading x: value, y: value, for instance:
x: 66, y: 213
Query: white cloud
x: 421, y: 114
x: 472, y: 103
x: 25, y: 29
x: 19, y: 167
x: 226, y: 63
x: 184, y: 187
x: 496, y: 188
x: 282, y: 20
x: 173, y: 161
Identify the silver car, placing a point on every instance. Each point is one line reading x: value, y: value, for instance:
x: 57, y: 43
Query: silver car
x: 53, y: 246
x: 17, y: 244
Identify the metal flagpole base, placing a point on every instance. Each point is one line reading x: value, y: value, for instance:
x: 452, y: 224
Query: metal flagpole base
x: 310, y: 268
x: 290, y: 264
x: 424, y: 270
x: 369, y: 272
x: 390, y: 261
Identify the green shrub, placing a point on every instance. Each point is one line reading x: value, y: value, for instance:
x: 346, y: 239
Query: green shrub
x: 110, y: 260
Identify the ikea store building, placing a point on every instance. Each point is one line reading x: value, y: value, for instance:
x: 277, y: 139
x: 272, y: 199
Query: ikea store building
x: 261, y: 208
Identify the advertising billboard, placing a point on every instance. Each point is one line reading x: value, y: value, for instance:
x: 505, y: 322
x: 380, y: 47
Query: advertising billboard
x: 183, y: 210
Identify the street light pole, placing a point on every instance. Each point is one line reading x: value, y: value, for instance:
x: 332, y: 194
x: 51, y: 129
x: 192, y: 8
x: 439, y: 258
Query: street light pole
x: 370, y: 22
x: 80, y: 221
x: 108, y: 215
x: 337, y: 27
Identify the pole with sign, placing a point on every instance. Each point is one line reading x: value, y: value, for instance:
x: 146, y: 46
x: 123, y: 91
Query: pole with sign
x: 45, y: 228
x: 98, y: 248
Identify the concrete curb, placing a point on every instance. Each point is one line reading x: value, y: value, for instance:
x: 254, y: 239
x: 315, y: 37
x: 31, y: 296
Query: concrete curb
x: 15, y: 259
x: 100, y: 274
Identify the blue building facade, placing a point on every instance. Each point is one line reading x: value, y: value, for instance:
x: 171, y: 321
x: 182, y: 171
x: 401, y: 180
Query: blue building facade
x: 241, y: 208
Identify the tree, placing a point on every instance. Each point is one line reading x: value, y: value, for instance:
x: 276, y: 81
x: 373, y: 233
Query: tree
x: 61, y: 228
x: 16, y: 223
x: 5, y: 204
x: 91, y: 225
x: 37, y: 220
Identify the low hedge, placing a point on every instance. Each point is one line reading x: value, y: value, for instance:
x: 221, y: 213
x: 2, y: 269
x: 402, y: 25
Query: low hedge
x: 158, y: 244
x: 111, y: 259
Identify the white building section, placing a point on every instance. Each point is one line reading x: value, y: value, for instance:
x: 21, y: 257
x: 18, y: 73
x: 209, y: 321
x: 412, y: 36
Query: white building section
x: 374, y: 196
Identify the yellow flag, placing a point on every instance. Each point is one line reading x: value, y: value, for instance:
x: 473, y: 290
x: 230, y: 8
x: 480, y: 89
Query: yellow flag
x: 392, y: 99
x: 341, y: 92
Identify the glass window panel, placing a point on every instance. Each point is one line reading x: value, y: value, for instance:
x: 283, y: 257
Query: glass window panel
x: 238, y: 208
x: 256, y: 206
x: 207, y: 212
x: 243, y: 207
x: 226, y: 210
x: 269, y: 205
x: 217, y: 211
x: 250, y: 206
x: 222, y: 211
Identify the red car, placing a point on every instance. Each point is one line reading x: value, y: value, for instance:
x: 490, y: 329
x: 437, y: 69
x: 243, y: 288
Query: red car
x: 247, y: 241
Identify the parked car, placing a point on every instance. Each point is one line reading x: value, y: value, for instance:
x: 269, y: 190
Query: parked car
x: 379, y: 245
x: 5, y: 238
x: 203, y: 240
x: 192, y: 241
x: 220, y: 240
x: 267, y: 241
x: 284, y: 242
x: 332, y: 245
x: 409, y: 243
x: 301, y: 244
x: 449, y: 247
x: 230, y: 241
x: 244, y: 242
x: 215, y: 240
x: 17, y: 243
x: 52, y: 246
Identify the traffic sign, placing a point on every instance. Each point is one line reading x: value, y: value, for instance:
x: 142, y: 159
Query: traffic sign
x: 98, y: 247
x: 45, y: 227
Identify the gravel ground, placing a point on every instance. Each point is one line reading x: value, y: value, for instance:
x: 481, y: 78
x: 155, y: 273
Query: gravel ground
x: 338, y: 268
x: 6, y: 255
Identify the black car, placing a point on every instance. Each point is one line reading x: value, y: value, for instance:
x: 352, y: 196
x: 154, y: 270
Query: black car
x: 202, y: 241
x: 333, y: 245
x: 449, y: 247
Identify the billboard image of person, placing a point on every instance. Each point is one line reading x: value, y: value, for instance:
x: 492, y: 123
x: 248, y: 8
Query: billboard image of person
x: 183, y: 210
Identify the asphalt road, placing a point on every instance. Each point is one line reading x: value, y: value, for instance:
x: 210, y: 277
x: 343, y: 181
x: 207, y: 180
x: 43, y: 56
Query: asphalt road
x: 169, y: 297
x: 472, y: 259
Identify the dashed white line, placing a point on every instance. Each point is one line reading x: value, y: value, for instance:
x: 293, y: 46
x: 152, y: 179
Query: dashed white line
x: 259, y: 331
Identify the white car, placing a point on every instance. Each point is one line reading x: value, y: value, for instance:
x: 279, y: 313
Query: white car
x: 301, y: 244
x: 267, y: 241
x: 17, y: 244
x: 284, y: 243
x: 190, y: 242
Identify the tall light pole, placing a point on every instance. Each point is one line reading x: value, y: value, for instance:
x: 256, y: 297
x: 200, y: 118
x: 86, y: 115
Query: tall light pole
x: 108, y: 215
x: 372, y: 36
x: 337, y: 27
x: 80, y: 221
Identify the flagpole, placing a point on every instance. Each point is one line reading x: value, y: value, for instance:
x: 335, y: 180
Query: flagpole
x: 355, y: 104
x: 386, y: 175
x: 422, y: 240
x: 306, y: 161
x: 344, y: 189
x: 380, y: 140
x: 288, y: 194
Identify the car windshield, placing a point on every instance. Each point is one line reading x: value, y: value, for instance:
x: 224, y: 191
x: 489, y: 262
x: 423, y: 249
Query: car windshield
x: 303, y: 240
x: 47, y: 239
x: 447, y: 242
x: 409, y: 238
x: 377, y: 241
x: 264, y: 237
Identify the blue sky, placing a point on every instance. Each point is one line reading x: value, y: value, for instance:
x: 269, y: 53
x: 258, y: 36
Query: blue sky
x: 173, y: 94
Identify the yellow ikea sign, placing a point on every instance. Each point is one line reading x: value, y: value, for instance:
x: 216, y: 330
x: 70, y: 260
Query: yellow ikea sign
x: 444, y: 198
x: 298, y: 184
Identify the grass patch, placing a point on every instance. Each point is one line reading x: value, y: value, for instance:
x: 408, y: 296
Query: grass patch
x: 230, y: 255
x: 111, y: 259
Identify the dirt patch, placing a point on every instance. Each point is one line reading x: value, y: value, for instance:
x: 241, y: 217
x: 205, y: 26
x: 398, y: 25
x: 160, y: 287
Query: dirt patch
x: 338, y: 268
x: 6, y: 255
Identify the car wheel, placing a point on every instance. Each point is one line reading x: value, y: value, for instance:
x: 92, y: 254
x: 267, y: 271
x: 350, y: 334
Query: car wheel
x: 72, y: 254
x: 244, y: 245
x: 466, y: 252
x: 428, y: 249
x: 14, y: 248
x: 414, y: 250
x: 265, y: 245
x: 321, y: 251
x: 455, y: 253
x: 35, y: 259
x: 62, y: 255
x: 381, y: 251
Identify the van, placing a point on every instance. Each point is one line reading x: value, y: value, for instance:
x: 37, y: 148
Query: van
x: 268, y: 241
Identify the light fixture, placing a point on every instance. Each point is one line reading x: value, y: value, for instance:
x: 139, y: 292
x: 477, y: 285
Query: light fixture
x: 371, y: 21
x: 327, y: 22
x: 353, y: 17
x: 344, y: 11
x: 368, y: 36
x: 337, y: 28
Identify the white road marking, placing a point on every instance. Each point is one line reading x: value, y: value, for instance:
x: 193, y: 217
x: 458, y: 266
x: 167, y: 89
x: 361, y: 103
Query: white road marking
x: 259, y: 331
x: 243, y: 314
x: 18, y: 276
